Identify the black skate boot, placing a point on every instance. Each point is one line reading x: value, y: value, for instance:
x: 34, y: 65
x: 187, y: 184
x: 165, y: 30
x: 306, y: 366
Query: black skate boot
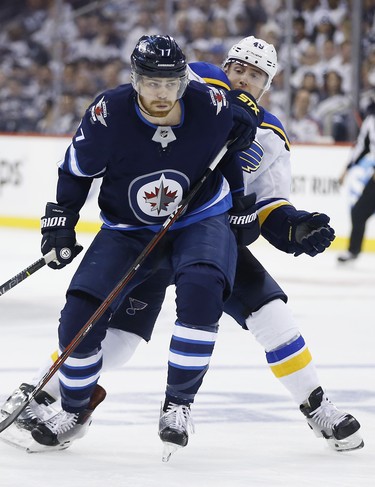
x: 338, y: 428
x: 63, y: 428
x: 174, y: 425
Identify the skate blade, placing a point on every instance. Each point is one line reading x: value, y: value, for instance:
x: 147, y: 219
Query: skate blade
x: 168, y: 450
x: 22, y: 440
x: 352, y: 442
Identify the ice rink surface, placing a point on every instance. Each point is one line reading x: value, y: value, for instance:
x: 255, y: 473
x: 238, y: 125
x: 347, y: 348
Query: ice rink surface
x: 249, y: 432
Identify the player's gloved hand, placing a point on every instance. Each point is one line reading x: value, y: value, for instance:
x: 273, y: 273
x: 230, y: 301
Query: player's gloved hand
x: 310, y: 233
x: 243, y: 219
x: 247, y: 116
x: 58, y: 233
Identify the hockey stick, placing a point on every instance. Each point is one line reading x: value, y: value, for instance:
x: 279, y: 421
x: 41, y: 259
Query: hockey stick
x: 26, y: 399
x: 21, y: 276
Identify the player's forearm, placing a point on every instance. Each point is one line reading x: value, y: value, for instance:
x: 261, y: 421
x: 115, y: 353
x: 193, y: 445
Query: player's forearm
x: 72, y: 191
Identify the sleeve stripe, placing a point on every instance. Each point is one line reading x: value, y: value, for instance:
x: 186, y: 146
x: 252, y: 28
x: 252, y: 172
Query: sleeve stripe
x: 214, y: 81
x: 264, y: 212
x: 279, y: 131
x: 74, y: 166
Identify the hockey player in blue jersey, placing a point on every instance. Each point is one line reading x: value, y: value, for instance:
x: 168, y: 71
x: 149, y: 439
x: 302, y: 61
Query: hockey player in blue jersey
x: 257, y: 301
x: 149, y: 141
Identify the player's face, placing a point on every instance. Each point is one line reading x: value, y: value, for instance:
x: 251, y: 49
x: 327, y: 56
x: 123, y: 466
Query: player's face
x: 247, y: 78
x: 158, y: 95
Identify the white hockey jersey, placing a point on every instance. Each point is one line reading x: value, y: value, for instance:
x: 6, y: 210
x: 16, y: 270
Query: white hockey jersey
x: 266, y: 167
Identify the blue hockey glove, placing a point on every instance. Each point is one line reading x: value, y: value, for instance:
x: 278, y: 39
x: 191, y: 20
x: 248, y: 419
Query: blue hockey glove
x: 58, y: 233
x: 310, y: 233
x: 244, y: 220
x: 247, y: 116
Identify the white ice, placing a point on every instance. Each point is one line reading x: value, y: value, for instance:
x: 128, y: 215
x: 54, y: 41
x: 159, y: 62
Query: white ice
x: 249, y: 432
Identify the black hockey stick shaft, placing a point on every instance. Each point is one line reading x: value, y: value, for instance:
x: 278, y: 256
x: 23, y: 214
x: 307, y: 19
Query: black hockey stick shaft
x: 113, y: 294
x: 21, y: 276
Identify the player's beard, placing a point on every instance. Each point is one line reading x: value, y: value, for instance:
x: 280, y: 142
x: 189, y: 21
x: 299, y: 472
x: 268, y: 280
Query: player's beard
x: 153, y: 109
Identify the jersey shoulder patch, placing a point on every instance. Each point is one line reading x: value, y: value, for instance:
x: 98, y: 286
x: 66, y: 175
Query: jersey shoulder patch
x: 108, y: 104
x: 216, y: 99
x: 271, y: 122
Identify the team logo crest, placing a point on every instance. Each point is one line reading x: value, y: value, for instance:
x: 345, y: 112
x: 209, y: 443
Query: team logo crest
x: 134, y: 306
x: 155, y: 196
x: 99, y: 112
x: 251, y: 158
x: 160, y: 198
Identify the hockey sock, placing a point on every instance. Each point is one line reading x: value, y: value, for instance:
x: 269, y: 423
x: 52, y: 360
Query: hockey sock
x: 290, y: 360
x: 189, y: 356
x: 292, y: 365
x: 78, y: 377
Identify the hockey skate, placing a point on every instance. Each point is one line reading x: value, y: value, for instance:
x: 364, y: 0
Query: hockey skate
x: 63, y: 428
x: 39, y: 410
x: 347, y: 257
x: 338, y: 428
x: 174, y: 425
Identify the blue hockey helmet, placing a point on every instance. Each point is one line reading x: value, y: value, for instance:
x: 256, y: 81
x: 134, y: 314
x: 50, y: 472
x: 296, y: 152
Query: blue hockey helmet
x: 158, y: 56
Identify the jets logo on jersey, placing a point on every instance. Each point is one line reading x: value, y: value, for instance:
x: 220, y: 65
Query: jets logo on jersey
x: 99, y: 112
x: 252, y: 157
x: 218, y: 99
x: 160, y: 198
x: 155, y: 196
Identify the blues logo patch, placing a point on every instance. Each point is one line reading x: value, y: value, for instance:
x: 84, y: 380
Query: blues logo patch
x: 252, y: 157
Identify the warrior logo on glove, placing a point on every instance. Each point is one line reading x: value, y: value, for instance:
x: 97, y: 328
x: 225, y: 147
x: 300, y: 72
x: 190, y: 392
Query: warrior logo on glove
x: 58, y: 233
x: 65, y: 253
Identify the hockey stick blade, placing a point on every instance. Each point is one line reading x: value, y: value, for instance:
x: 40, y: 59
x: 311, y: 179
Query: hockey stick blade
x: 113, y: 294
x: 21, y: 276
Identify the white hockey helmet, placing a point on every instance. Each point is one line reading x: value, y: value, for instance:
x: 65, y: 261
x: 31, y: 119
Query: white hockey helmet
x: 256, y: 52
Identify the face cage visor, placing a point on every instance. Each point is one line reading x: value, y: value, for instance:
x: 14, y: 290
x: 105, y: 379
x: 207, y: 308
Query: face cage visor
x: 255, y: 81
x: 155, y: 82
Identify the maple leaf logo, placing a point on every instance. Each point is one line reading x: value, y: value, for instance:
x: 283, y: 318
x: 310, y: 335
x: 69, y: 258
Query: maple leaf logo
x: 98, y: 111
x: 160, y: 198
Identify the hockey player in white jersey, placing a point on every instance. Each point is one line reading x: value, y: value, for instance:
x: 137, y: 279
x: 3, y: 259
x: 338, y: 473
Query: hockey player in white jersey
x: 258, y: 303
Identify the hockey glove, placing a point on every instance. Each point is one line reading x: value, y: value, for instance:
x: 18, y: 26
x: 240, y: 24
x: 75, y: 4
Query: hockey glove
x: 247, y: 116
x: 310, y: 233
x: 244, y: 220
x: 58, y: 233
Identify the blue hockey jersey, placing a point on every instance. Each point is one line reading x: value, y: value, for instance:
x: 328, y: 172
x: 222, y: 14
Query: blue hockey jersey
x: 146, y: 169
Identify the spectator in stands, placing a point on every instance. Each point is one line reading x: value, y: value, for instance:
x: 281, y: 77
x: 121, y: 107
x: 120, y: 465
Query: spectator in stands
x: 309, y: 63
x: 309, y: 83
x: 256, y: 16
x: 333, y: 111
x: 303, y: 126
x: 323, y: 30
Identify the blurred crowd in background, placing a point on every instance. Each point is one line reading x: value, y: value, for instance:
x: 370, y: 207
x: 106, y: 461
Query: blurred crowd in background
x: 56, y: 55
